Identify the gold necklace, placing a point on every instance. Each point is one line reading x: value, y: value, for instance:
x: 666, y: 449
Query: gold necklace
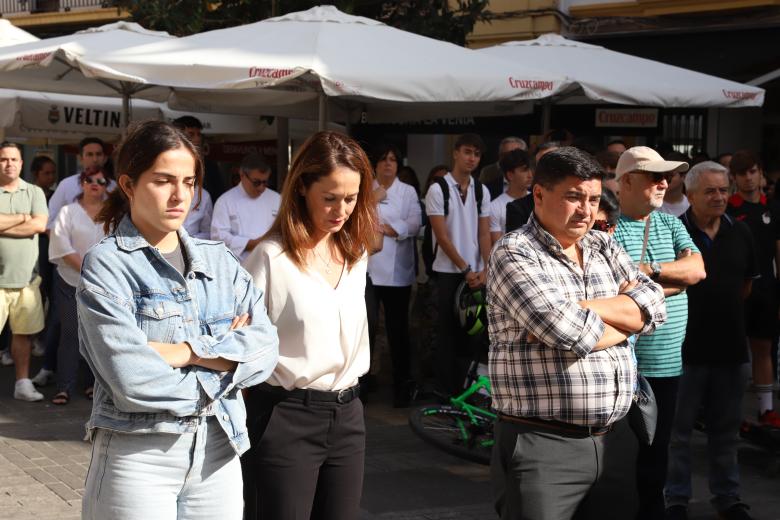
x: 326, y: 262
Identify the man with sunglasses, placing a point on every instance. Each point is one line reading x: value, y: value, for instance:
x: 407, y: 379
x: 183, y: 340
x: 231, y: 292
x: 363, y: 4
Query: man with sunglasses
x: 244, y: 213
x: 664, y: 250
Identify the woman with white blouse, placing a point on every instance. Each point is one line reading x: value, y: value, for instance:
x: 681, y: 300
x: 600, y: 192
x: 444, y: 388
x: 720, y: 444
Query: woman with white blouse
x: 73, y: 233
x: 391, y: 270
x: 306, y: 423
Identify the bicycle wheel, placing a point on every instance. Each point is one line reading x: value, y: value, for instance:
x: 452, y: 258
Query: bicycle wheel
x: 453, y: 431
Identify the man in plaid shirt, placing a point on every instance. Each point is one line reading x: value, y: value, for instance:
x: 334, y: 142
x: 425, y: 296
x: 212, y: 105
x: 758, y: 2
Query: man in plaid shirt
x: 563, y: 301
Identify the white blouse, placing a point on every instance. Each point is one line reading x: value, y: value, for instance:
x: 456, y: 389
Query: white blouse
x: 73, y: 232
x: 198, y: 221
x: 323, y: 332
x: 394, y: 264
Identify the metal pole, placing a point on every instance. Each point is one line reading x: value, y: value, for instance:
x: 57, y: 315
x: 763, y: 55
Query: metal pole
x: 125, y: 112
x: 282, y: 146
x: 546, y: 116
x: 323, y: 112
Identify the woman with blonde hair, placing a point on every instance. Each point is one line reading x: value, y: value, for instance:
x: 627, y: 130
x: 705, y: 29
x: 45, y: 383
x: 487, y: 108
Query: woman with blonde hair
x: 306, y: 422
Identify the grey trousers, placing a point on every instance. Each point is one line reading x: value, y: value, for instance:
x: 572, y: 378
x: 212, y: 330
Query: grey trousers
x: 543, y: 475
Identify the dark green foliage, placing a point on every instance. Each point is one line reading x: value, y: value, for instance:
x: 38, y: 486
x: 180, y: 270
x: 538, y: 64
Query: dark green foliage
x: 433, y: 18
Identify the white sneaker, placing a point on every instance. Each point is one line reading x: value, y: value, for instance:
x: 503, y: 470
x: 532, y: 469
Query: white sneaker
x: 38, y: 350
x: 25, y: 391
x: 43, y: 377
x: 6, y: 360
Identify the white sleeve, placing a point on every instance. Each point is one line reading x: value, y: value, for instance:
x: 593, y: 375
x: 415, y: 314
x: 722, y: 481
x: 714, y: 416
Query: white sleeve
x: 434, y: 201
x: 204, y: 230
x: 59, y: 238
x: 221, y: 228
x: 495, y: 216
x: 56, y: 203
x: 485, y: 202
x: 409, y: 223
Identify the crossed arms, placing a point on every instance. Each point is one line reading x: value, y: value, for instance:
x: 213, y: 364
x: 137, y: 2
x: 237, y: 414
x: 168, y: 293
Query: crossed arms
x: 21, y: 225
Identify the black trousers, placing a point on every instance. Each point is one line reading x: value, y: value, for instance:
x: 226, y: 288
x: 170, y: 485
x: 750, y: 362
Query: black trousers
x: 306, y: 460
x: 653, y: 460
x: 395, y: 301
x: 542, y: 475
x: 452, y: 341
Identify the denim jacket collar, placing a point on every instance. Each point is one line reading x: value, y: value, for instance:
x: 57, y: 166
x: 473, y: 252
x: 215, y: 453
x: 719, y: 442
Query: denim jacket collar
x: 128, y: 238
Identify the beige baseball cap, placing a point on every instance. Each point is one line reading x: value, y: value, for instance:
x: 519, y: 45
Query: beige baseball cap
x: 644, y: 159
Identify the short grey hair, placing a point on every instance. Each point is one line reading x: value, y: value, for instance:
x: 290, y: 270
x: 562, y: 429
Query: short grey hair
x: 513, y: 139
x: 254, y: 161
x: 693, y: 175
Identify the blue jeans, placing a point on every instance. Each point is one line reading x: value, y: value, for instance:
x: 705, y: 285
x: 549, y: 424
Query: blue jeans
x: 164, y: 476
x: 719, y: 390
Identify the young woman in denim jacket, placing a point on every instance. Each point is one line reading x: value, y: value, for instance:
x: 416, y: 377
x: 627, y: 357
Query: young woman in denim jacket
x: 173, y: 328
x: 307, y: 462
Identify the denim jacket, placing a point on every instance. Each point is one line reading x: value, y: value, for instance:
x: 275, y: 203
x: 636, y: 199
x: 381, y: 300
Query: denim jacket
x: 129, y: 295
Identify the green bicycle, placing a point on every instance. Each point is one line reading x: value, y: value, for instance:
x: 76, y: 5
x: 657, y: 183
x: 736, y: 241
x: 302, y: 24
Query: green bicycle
x: 464, y: 427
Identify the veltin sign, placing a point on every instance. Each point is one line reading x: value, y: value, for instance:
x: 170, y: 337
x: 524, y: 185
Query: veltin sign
x: 91, y: 117
x: 626, y: 118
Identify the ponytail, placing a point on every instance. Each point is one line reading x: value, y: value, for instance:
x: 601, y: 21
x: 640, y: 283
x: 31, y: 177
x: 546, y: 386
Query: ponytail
x: 113, y: 211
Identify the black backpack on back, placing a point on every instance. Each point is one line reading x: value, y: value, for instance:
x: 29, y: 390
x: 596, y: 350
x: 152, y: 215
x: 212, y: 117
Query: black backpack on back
x: 428, y: 249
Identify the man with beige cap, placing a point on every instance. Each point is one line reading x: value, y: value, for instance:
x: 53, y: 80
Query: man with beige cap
x: 664, y: 250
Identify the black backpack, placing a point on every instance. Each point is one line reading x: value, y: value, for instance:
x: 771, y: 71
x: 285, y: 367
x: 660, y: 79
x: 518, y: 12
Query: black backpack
x: 428, y: 249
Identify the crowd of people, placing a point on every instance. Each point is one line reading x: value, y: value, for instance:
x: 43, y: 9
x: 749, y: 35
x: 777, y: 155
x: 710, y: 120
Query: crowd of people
x: 178, y: 299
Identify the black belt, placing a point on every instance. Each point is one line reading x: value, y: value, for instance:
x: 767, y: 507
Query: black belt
x: 557, y: 426
x: 306, y: 394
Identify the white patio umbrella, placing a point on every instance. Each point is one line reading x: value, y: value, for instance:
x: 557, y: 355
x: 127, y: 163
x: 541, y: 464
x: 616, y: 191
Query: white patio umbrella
x: 614, y: 77
x: 289, y: 65
x: 53, y: 64
x: 54, y: 116
x: 50, y: 115
x: 12, y: 35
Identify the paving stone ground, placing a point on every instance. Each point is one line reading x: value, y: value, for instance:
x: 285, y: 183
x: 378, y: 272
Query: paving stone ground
x: 43, y: 462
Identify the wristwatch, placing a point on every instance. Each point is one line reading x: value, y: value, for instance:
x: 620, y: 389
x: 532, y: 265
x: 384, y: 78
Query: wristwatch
x: 655, y: 270
x: 466, y: 270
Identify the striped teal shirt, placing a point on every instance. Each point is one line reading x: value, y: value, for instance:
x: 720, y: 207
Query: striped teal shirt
x: 658, y: 354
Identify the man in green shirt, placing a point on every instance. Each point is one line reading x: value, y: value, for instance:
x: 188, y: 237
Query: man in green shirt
x: 671, y: 259
x: 23, y: 216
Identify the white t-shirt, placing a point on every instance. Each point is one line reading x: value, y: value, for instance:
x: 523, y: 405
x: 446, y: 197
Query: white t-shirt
x: 498, y: 213
x: 198, y: 221
x: 462, y: 223
x: 73, y: 232
x: 238, y: 218
x: 67, y: 192
x: 323, y: 332
x: 675, y: 208
x: 394, y: 264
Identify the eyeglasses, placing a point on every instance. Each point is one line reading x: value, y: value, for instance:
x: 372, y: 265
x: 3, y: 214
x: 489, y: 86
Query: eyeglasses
x: 255, y: 182
x: 603, y: 225
x: 99, y: 182
x: 657, y: 177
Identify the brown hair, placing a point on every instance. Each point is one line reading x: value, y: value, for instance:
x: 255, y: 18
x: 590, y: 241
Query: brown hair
x: 742, y: 161
x: 86, y: 174
x: 138, y: 151
x: 319, y: 156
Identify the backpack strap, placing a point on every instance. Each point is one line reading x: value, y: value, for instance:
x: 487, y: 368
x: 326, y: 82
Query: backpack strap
x: 445, y: 191
x: 478, y: 194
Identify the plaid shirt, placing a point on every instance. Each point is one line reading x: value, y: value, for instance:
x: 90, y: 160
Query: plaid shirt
x: 533, y: 287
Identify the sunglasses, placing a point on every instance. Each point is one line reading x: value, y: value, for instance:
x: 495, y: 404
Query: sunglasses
x: 99, y: 182
x: 603, y: 225
x: 657, y: 177
x: 257, y: 182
